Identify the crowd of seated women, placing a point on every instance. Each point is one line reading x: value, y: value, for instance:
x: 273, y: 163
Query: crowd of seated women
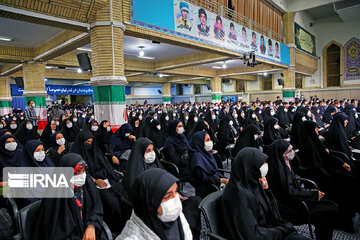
x: 122, y: 176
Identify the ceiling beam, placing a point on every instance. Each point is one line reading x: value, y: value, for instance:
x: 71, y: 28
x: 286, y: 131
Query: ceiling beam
x: 297, y: 6
x: 60, y: 74
x: 245, y: 70
x: 189, y: 60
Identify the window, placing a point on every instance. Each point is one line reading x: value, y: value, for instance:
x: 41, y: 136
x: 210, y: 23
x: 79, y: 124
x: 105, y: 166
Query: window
x: 333, y: 71
x: 240, y: 86
x: 267, y: 80
x: 298, y: 80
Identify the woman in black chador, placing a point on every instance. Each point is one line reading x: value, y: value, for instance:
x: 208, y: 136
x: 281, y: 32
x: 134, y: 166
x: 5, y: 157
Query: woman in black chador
x: 249, y: 208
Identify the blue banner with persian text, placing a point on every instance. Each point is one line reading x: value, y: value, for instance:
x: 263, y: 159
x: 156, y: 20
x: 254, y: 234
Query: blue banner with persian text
x: 57, y: 90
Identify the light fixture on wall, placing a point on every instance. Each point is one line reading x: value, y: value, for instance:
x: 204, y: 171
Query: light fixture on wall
x: 161, y: 75
x: 141, y: 52
x: 265, y: 74
x: 7, y: 39
x: 79, y: 70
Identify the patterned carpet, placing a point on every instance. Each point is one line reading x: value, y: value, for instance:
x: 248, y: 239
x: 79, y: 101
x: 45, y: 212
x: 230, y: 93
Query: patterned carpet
x: 303, y: 229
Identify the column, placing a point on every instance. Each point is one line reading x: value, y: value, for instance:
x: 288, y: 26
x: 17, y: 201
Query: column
x: 34, y: 88
x: 5, y: 96
x: 216, y: 90
x: 166, y: 93
x: 289, y: 74
x: 108, y: 78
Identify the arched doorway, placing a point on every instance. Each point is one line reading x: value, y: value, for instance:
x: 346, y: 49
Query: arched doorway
x: 333, y: 61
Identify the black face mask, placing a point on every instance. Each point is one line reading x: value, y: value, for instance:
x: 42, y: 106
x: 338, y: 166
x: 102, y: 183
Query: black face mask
x: 87, y: 146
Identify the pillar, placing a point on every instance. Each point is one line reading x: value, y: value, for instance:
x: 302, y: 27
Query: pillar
x: 34, y: 87
x: 216, y: 90
x: 166, y: 93
x: 108, y: 78
x: 5, y: 96
x: 289, y: 74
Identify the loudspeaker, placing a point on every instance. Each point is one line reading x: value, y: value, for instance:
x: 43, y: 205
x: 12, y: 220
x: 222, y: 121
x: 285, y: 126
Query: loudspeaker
x: 84, y: 62
x: 208, y: 87
x: 280, y: 82
x: 159, y: 91
x: 19, y: 82
x: 226, y: 81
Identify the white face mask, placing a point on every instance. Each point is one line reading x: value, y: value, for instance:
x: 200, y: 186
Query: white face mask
x: 186, y: 118
x: 290, y: 155
x: 57, y: 123
x: 276, y: 126
x: 308, y: 114
x: 208, y: 146
x: 1, y: 126
x: 259, y: 111
x: 60, y: 141
x: 285, y: 110
x: 33, y: 105
x: 69, y: 125
x: 167, y: 118
x: 155, y: 117
x: 158, y: 127
x: 78, y: 180
x: 136, y: 125
x: 235, y: 116
x: 11, y: 146
x: 74, y: 119
x: 356, y: 115
x: 272, y: 113
x: 39, y: 156
x: 94, y: 128
x: 171, y: 209
x: 213, y: 117
x: 256, y: 136
x: 149, y: 157
x: 196, y: 119
x: 13, y: 126
x: 264, y: 170
x: 127, y: 134
x: 84, y: 116
x: 231, y: 123
x: 174, y: 114
x: 140, y: 117
x: 253, y: 115
x: 242, y: 115
x: 180, y: 130
x: 108, y: 128
x: 29, y: 126
x: 52, y: 131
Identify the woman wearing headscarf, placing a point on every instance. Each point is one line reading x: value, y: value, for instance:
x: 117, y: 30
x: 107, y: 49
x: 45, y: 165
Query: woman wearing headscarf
x: 271, y: 131
x: 249, y: 208
x: 34, y: 155
x: 26, y: 132
x: 249, y: 137
x: 10, y: 153
x: 332, y: 174
x: 142, y: 157
x: 281, y: 114
x: 177, y: 148
x: 50, y: 129
x: 94, y: 128
x: 157, y: 134
x: 79, y: 217
x: 58, y: 147
x: 329, y: 112
x: 69, y: 130
x: 235, y: 117
x: 337, y: 134
x: 291, y: 112
x: 76, y: 122
x: 299, y: 118
x: 211, y: 119
x: 104, y: 136
x: 121, y: 141
x: 226, y: 135
x: 193, y: 119
x: 289, y: 194
x: 136, y: 126
x: 13, y: 125
x: 268, y: 113
x: 104, y: 176
x: 316, y: 112
x: 157, y: 213
x: 251, y: 118
x: 203, y: 167
x: 164, y: 121
x: 146, y: 126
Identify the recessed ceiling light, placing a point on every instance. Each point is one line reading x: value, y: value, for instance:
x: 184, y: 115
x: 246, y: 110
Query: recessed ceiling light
x: 84, y: 49
x: 141, y: 52
x: 7, y: 39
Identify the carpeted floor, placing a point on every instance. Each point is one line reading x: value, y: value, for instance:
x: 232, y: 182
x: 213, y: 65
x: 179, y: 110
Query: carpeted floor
x: 303, y: 229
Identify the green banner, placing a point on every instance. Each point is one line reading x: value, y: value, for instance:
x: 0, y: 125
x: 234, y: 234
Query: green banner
x: 166, y: 99
x: 5, y: 104
x: 109, y: 94
x: 288, y: 94
x: 39, y: 101
x: 216, y: 97
x: 304, y: 40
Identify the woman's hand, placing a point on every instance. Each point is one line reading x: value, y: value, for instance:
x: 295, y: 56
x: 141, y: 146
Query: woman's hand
x: 263, y: 182
x: 347, y: 167
x: 101, y: 183
x: 89, y: 233
x: 132, y: 137
x: 224, y: 180
x: 61, y: 149
x: 3, y: 184
x: 115, y: 160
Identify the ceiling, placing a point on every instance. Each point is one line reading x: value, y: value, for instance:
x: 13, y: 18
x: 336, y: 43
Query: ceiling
x: 25, y: 34
x: 234, y: 63
x: 346, y: 10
